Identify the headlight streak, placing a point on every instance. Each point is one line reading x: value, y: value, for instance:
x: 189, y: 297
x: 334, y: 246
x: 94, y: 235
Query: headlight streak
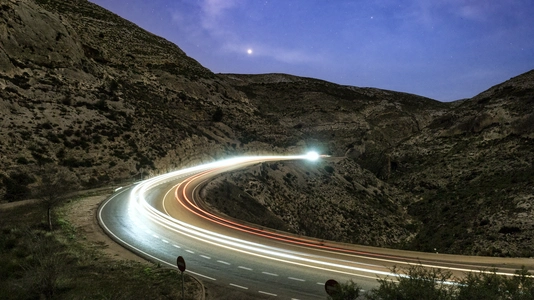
x: 141, y: 206
x: 306, y: 242
x: 138, y: 204
x: 242, y: 246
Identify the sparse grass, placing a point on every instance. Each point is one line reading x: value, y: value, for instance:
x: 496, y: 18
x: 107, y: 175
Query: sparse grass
x: 39, y: 264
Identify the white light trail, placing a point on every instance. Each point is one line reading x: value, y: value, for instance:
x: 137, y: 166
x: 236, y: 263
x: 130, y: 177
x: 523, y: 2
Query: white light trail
x: 140, y: 210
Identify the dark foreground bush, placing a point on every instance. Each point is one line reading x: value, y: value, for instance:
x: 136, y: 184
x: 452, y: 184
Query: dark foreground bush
x: 434, y: 284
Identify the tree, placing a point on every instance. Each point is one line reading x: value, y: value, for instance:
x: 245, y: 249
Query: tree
x: 53, y: 189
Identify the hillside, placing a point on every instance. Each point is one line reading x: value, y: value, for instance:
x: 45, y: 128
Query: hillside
x: 90, y: 92
x: 472, y: 169
x: 459, y: 175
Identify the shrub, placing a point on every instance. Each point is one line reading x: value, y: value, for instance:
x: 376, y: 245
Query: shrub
x: 16, y: 186
x: 329, y: 169
x: 416, y: 283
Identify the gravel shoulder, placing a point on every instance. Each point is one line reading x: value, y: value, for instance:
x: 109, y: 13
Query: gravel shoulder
x: 82, y: 215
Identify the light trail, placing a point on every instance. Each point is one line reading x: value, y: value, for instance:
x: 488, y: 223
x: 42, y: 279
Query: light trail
x: 296, y: 251
x: 139, y: 208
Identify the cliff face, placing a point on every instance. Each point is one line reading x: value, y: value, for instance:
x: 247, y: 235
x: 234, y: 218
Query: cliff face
x: 96, y: 95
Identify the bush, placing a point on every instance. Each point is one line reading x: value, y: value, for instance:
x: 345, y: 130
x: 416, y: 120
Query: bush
x: 347, y: 291
x: 217, y: 115
x: 490, y: 285
x: 329, y: 169
x: 16, y: 186
x: 416, y: 283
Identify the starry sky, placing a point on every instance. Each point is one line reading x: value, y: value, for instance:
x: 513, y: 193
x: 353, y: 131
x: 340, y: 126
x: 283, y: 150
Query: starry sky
x: 442, y: 49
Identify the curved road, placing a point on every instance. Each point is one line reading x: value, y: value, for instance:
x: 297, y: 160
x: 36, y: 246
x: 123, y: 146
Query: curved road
x: 161, y: 219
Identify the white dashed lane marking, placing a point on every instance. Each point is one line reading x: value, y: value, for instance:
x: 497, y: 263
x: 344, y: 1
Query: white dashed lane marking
x: 177, y: 246
x: 245, y: 268
x: 239, y: 286
x: 192, y: 252
x: 223, y: 262
x: 206, y: 257
x: 297, y: 279
x: 165, y: 241
x: 266, y: 293
x: 270, y: 274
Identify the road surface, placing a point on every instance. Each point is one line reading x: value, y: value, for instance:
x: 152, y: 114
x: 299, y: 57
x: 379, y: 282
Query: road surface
x: 163, y: 218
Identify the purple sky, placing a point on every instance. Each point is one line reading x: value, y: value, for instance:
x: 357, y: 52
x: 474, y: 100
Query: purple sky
x: 441, y: 49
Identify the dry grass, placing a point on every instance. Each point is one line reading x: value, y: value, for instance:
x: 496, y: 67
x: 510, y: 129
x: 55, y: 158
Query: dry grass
x: 60, y: 265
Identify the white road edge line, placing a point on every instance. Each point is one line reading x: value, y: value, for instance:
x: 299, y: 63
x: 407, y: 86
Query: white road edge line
x: 137, y: 249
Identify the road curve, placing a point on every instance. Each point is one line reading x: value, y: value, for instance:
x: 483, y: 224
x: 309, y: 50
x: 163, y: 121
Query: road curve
x: 162, y: 218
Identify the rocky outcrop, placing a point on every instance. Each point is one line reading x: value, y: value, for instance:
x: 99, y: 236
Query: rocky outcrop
x: 32, y: 36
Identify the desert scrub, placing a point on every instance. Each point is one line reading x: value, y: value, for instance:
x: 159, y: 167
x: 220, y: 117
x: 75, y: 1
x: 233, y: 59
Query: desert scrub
x: 60, y: 265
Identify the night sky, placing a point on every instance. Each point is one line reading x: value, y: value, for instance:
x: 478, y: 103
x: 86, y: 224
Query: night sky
x: 442, y: 49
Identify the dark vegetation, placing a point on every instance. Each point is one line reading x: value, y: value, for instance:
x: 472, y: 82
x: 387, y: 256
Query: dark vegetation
x: 248, y: 209
x: 37, y: 263
x: 417, y: 282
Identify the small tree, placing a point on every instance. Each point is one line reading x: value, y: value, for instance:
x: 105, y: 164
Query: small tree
x: 53, y: 189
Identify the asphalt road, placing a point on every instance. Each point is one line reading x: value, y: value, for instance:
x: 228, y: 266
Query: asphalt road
x: 162, y: 218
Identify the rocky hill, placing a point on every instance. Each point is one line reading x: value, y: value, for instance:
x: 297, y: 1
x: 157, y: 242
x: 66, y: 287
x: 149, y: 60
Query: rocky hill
x: 458, y: 177
x: 90, y: 92
x: 472, y: 170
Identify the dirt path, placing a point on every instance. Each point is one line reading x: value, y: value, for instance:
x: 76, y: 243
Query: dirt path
x: 82, y: 215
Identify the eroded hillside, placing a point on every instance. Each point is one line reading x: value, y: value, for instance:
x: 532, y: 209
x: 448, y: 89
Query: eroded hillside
x: 90, y: 92
x: 472, y: 169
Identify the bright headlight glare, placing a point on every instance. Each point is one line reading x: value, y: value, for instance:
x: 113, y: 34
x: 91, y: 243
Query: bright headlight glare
x: 312, y: 155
